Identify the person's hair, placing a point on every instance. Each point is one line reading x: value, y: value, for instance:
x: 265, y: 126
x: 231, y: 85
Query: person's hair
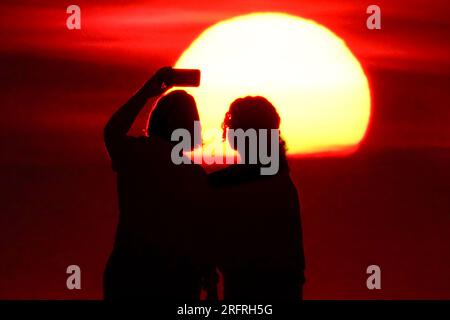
x: 175, y: 110
x: 254, y: 113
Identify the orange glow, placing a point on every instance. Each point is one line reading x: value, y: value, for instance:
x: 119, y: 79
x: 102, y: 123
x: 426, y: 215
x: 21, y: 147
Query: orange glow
x: 307, y: 72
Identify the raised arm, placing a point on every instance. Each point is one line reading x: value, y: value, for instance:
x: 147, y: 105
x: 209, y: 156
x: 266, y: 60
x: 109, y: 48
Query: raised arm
x: 121, y: 121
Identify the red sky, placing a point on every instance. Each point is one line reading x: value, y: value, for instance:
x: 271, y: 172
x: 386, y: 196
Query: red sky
x: 58, y: 88
x: 60, y: 85
x: 413, y: 34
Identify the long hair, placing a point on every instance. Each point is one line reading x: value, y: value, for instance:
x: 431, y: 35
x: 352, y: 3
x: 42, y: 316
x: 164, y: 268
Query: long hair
x: 175, y: 110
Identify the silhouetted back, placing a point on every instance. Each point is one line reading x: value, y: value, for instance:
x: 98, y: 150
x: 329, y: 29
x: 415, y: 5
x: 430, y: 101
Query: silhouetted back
x: 157, y: 250
x: 156, y: 234
x: 260, y: 238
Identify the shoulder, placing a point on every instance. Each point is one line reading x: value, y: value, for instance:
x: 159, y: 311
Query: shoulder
x: 234, y: 174
x: 122, y: 152
x: 195, y: 170
x: 132, y: 143
x: 153, y: 146
x: 222, y: 177
x: 134, y: 152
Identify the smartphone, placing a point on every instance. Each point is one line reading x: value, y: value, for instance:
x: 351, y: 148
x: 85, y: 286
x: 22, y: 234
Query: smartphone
x: 184, y: 78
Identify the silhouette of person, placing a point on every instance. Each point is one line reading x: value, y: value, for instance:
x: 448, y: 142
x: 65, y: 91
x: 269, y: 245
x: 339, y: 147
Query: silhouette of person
x: 260, y: 237
x: 157, y: 251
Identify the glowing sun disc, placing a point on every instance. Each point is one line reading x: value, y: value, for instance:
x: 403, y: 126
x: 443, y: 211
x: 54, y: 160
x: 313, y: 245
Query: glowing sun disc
x: 317, y: 85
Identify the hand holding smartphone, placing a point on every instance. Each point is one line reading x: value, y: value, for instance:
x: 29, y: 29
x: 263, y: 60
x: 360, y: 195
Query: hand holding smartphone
x: 168, y: 77
x: 183, y: 78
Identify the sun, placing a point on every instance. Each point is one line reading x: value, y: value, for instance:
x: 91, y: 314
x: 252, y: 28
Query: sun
x: 309, y: 74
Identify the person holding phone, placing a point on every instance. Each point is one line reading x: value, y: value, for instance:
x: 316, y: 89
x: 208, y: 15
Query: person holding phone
x: 157, y: 253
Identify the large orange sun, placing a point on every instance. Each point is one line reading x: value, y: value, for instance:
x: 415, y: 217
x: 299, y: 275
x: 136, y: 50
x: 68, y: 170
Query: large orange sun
x: 307, y: 72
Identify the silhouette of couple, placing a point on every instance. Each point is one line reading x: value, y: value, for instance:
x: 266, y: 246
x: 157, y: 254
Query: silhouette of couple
x: 178, y: 226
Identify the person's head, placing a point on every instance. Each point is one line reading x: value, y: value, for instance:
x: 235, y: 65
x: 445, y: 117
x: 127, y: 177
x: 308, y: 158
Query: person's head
x: 175, y: 110
x: 254, y: 113
x: 251, y: 113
